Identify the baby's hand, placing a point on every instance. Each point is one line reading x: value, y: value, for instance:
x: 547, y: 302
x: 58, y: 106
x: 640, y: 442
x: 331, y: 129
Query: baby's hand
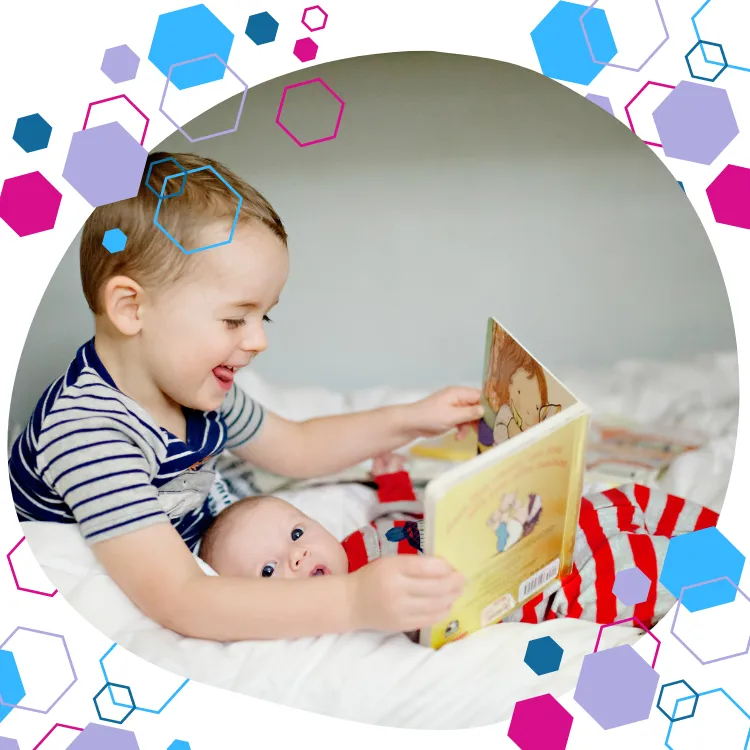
x: 444, y: 410
x: 403, y: 593
x: 388, y: 463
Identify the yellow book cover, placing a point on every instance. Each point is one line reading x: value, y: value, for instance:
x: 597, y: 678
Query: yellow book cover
x: 507, y: 517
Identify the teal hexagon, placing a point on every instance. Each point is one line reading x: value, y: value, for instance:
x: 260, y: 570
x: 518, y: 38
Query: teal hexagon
x: 188, y: 34
x: 561, y: 45
x: 11, y: 685
x: 698, y: 557
x: 543, y: 655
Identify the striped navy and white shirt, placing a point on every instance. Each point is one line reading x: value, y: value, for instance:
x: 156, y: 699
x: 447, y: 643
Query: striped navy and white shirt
x: 90, y: 455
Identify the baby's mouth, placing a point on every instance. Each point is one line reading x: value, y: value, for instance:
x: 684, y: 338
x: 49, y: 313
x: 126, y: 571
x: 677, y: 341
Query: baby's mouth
x: 225, y: 375
x: 320, y: 570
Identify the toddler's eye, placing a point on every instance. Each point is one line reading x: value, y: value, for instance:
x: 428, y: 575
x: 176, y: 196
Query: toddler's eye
x: 234, y: 322
x: 266, y: 319
x: 297, y: 533
x: 268, y: 570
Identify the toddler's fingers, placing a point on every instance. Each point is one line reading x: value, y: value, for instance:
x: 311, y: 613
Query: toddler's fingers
x: 423, y: 566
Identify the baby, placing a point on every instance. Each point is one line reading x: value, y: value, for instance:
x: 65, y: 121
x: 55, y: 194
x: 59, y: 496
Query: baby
x: 267, y: 537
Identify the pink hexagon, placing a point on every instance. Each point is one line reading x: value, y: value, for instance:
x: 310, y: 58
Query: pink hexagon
x: 540, y: 723
x: 318, y: 15
x: 305, y: 49
x: 29, y: 204
x: 632, y: 101
x: 624, y: 622
x: 728, y: 196
x: 308, y: 83
x: 15, y: 576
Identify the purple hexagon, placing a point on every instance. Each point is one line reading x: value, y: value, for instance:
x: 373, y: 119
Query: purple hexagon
x: 284, y: 93
x: 210, y: 135
x: 305, y: 49
x: 6, y: 743
x: 70, y: 663
x: 540, y: 723
x: 623, y: 67
x: 601, y: 101
x: 695, y: 122
x: 320, y: 18
x: 120, y: 64
x: 98, y: 736
x: 616, y: 687
x: 631, y: 586
x: 727, y: 195
x: 105, y: 164
x: 29, y: 204
x: 743, y: 597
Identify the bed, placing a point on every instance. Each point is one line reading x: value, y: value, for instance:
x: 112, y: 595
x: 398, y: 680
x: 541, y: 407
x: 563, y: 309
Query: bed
x: 384, y: 678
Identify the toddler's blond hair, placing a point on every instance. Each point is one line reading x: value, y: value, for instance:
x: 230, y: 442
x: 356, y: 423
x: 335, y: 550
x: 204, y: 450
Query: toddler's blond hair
x: 150, y: 257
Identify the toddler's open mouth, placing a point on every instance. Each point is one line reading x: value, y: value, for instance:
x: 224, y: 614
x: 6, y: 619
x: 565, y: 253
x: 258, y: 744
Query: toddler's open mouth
x: 224, y: 376
x: 320, y: 570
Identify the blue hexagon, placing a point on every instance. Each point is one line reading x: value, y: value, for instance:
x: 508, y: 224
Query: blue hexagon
x: 543, y: 655
x: 677, y: 692
x: 114, y: 240
x: 108, y: 687
x: 187, y: 34
x: 32, y: 133
x: 262, y: 27
x: 699, y: 557
x: 11, y: 686
x: 561, y: 46
x: 179, y: 745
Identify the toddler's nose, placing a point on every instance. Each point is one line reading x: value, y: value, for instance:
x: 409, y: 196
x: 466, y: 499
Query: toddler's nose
x: 255, y: 339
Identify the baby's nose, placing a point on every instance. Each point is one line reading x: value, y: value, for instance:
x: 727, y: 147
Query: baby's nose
x: 298, y: 556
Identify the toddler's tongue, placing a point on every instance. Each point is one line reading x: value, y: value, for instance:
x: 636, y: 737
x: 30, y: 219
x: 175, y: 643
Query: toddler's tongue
x: 224, y: 375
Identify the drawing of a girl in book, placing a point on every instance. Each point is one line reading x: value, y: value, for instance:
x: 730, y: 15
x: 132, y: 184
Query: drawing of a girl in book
x: 515, y: 390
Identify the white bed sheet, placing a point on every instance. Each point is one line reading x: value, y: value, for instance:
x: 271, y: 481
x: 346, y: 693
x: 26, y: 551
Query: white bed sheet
x: 385, y: 679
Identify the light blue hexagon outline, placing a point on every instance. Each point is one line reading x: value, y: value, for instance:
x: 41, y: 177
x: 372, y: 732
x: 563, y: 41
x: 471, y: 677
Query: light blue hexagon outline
x: 136, y: 707
x: 694, y: 21
x: 701, y: 695
x: 162, y: 197
x: 109, y: 687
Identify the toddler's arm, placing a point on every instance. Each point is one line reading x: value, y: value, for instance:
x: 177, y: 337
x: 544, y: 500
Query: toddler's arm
x: 330, y: 444
x: 158, y: 573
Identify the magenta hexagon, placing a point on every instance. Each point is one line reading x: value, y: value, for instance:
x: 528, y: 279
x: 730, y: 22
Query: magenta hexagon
x: 616, y: 687
x: 310, y: 11
x: 695, y: 122
x: 29, y: 204
x: 105, y: 164
x: 305, y: 49
x: 280, y: 111
x: 540, y: 723
x: 728, y: 196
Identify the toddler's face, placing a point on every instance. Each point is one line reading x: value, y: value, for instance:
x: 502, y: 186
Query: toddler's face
x: 272, y: 539
x: 199, y: 331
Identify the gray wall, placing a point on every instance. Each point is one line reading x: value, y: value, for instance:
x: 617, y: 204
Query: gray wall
x: 458, y: 188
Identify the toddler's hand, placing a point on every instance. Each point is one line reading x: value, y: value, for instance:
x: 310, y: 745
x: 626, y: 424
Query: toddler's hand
x: 444, y: 410
x: 403, y: 593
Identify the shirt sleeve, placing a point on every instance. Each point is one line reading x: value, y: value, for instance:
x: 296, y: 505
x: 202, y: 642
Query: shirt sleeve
x: 242, y: 415
x: 102, y: 467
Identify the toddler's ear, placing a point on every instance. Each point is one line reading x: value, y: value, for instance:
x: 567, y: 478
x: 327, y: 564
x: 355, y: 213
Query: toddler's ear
x: 122, y: 298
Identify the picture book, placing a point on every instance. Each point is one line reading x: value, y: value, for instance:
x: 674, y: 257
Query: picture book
x: 506, y: 517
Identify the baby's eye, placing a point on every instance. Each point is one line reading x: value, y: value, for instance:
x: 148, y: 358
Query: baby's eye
x: 234, y: 322
x: 297, y: 533
x: 266, y: 319
x: 268, y: 570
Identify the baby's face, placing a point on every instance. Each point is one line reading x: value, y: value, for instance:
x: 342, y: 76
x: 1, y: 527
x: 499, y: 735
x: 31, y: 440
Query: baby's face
x: 197, y: 332
x: 272, y: 539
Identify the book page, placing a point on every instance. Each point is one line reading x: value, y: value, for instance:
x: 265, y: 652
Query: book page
x: 510, y: 528
x: 518, y: 392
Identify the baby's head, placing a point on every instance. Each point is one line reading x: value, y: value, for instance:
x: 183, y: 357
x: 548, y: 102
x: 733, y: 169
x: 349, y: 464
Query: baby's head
x: 185, y: 320
x: 264, y: 537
